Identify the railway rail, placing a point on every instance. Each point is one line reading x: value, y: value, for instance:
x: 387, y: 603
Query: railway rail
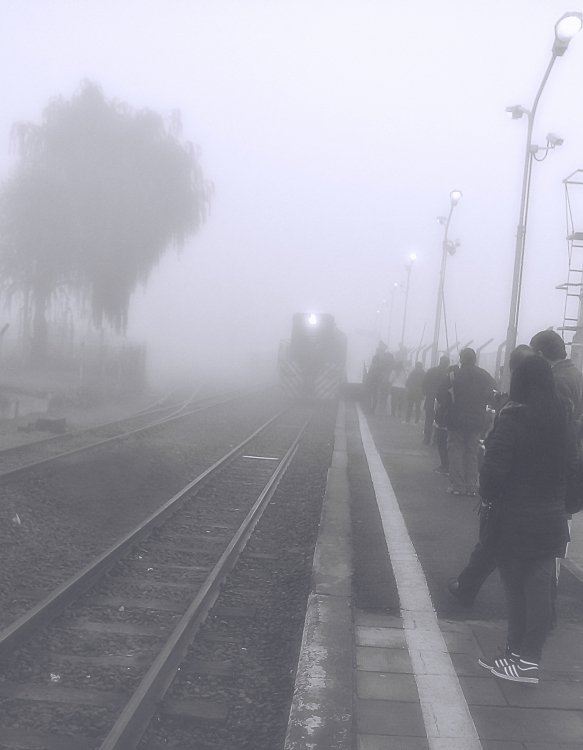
x: 128, y: 617
x: 24, y: 457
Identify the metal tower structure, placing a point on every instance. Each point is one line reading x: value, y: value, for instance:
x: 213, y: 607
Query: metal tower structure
x: 572, y: 328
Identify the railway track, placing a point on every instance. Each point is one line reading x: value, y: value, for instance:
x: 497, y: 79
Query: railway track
x: 88, y: 666
x: 24, y: 457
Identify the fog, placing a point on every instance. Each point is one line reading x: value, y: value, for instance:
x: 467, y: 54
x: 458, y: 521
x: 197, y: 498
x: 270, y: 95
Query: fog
x: 333, y: 133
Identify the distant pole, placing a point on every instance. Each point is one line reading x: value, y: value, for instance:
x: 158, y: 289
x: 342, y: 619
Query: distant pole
x: 393, y: 290
x: 447, y: 246
x: 409, y: 266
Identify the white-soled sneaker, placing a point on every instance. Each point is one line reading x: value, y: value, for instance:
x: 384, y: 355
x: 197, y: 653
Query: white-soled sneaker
x: 500, y: 662
x: 518, y: 671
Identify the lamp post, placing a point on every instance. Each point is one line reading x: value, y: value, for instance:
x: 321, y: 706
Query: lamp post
x: 566, y: 28
x: 448, y: 247
x: 393, y: 290
x: 409, y: 266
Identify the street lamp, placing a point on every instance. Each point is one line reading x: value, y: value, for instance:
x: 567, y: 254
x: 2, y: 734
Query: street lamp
x: 409, y: 266
x: 448, y: 247
x: 568, y: 26
x: 393, y: 290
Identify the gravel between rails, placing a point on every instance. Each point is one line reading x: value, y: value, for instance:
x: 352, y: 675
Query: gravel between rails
x: 265, y: 651
x: 56, y: 519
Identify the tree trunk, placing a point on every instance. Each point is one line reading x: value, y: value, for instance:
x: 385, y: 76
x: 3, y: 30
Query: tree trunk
x: 39, y: 341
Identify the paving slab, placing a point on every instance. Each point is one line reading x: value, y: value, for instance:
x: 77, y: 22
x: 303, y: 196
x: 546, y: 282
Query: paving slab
x: 483, y: 690
x: 547, y: 694
x: 372, y: 659
x: 382, y: 637
x: 377, y: 620
x: 462, y: 643
x: 528, y: 724
x: 383, y: 686
x: 466, y: 665
x: 389, y: 717
x: 549, y: 746
x: 384, y: 742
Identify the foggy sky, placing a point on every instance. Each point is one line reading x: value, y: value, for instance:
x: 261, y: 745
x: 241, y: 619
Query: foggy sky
x: 333, y: 132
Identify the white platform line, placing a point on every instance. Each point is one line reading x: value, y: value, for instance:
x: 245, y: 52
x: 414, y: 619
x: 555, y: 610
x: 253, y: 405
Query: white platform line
x: 446, y: 715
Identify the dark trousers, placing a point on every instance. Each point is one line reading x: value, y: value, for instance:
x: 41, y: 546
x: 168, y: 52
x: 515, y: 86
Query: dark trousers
x: 397, y: 401
x: 440, y: 439
x: 482, y: 564
x: 429, y: 417
x: 413, y: 402
x: 527, y: 588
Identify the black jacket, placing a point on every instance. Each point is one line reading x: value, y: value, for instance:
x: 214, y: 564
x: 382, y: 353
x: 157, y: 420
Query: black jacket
x: 526, y: 483
x: 432, y: 379
x: 473, y: 390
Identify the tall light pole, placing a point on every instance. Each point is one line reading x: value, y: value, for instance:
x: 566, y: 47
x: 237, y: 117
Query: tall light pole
x: 448, y: 247
x: 393, y: 290
x: 566, y: 28
x: 409, y: 266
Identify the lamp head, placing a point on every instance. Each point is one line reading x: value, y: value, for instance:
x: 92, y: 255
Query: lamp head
x: 455, y: 196
x: 442, y: 220
x: 413, y: 256
x: 568, y: 26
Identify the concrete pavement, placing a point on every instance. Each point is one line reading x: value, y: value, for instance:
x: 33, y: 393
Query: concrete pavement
x: 380, y: 668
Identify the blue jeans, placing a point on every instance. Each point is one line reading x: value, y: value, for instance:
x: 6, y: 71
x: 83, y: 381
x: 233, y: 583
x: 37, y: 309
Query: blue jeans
x: 527, y: 588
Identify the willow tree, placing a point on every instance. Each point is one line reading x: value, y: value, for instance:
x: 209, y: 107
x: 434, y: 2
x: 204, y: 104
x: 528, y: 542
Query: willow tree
x: 99, y: 193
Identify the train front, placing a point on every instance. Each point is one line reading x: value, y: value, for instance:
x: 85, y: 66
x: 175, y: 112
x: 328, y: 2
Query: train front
x: 312, y: 365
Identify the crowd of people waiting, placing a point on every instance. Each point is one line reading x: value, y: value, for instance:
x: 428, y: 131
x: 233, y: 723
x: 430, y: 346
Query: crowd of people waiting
x: 521, y: 453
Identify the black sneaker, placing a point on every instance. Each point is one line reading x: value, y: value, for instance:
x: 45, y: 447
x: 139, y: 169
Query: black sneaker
x: 518, y: 671
x: 501, y: 662
x: 453, y: 588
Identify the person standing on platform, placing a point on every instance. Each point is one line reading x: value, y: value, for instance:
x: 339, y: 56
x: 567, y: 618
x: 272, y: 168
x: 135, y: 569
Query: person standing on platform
x: 432, y: 379
x: 413, y: 384
x: 568, y: 378
x: 482, y: 561
x: 378, y: 372
x: 465, y: 400
x: 387, y: 366
x: 530, y: 461
x: 398, y: 390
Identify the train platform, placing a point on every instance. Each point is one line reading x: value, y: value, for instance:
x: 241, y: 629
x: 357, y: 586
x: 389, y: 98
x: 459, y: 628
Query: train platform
x: 389, y: 659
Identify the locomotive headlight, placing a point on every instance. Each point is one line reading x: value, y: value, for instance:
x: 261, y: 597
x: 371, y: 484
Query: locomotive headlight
x: 313, y: 320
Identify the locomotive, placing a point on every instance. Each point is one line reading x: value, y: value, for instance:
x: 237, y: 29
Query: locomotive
x: 312, y: 364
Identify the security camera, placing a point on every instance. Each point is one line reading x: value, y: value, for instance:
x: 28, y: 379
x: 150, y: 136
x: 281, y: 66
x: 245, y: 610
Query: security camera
x: 554, y: 140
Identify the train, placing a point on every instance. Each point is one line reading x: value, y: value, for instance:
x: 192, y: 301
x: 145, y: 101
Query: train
x: 312, y: 363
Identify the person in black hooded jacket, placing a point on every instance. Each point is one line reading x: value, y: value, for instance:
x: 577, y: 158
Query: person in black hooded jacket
x: 531, y: 457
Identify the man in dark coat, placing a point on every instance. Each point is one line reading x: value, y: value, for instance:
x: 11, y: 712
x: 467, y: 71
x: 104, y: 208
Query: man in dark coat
x: 466, y: 399
x: 482, y: 562
x: 568, y: 378
x: 434, y: 377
